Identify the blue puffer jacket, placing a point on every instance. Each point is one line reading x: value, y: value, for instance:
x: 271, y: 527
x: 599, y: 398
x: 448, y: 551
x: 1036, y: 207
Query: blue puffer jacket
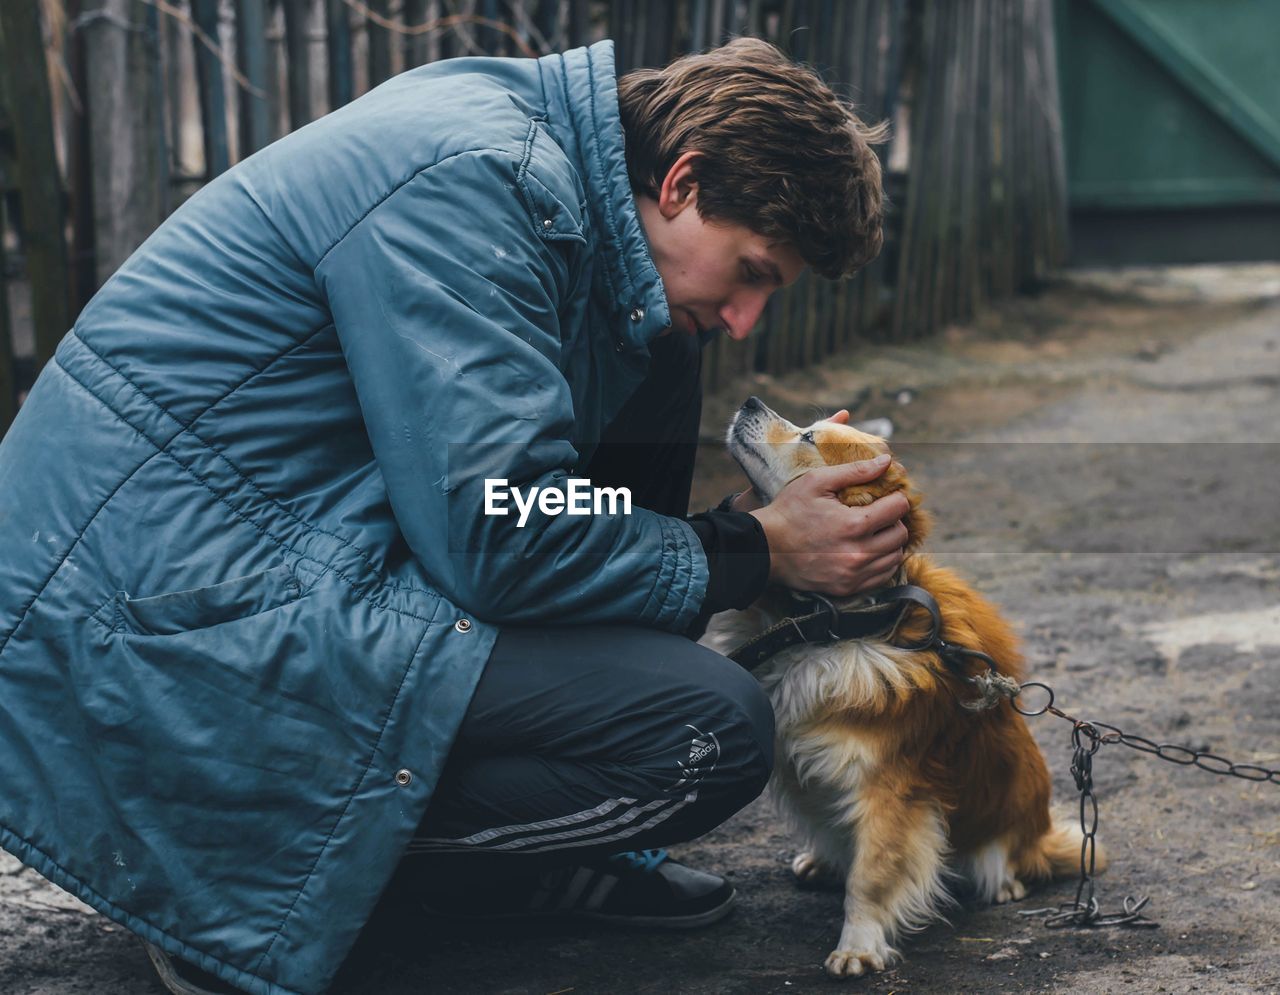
x: 241, y: 534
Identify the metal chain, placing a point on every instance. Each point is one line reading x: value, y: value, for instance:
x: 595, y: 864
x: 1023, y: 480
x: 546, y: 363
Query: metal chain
x: 1084, y: 911
x: 1086, y: 739
x: 1180, y: 755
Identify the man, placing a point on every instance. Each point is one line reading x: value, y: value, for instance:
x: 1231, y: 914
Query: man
x: 260, y: 638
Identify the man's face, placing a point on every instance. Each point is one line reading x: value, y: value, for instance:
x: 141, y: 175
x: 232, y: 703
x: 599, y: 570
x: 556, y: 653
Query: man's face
x: 716, y: 275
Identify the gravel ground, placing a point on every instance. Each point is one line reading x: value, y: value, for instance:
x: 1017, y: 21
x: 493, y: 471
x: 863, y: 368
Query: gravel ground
x: 1102, y: 461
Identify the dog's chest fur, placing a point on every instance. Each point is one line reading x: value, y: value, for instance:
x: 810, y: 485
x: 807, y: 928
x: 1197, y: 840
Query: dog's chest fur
x: 821, y: 760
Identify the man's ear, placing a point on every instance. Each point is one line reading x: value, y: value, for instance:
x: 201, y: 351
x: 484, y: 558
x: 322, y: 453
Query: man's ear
x: 680, y: 186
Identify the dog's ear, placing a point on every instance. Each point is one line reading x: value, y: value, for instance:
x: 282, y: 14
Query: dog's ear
x: 919, y: 524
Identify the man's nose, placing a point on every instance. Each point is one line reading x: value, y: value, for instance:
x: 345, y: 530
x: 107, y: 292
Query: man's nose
x: 741, y: 314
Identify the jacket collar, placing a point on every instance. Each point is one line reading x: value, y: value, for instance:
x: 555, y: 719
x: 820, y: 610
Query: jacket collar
x: 582, y: 89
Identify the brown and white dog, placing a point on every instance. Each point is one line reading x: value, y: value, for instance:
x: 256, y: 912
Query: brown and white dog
x: 896, y: 789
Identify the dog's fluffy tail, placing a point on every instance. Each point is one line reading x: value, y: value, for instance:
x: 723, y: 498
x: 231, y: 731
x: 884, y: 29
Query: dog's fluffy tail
x: 1058, y: 853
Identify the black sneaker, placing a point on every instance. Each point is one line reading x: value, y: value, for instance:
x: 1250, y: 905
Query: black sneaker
x: 182, y: 978
x: 638, y: 888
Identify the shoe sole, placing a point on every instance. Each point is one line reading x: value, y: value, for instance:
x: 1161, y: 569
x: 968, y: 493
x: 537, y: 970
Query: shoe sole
x: 695, y: 921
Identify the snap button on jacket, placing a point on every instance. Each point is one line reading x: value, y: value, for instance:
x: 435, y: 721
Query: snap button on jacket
x: 239, y: 516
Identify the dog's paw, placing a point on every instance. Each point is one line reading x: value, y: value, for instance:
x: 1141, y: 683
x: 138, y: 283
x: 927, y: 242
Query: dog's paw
x: 810, y: 872
x: 1011, y: 890
x: 863, y: 948
x: 851, y: 964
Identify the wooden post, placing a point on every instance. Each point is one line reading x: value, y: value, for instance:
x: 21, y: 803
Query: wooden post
x: 124, y: 111
x: 379, y: 43
x: 697, y: 25
x: 982, y: 159
x: 886, y: 43
x: 297, y: 21
x: 463, y: 32
x: 446, y: 42
x: 251, y: 53
x: 1056, y: 152
x: 657, y: 36
x: 8, y: 382
x: 942, y: 193
x: 22, y: 55
x: 913, y: 236
x: 965, y: 246
x: 579, y: 23
x: 824, y: 301
x: 854, y: 36
x: 546, y: 17
x: 277, y: 66
x: 621, y: 25
x: 413, y: 49
x: 715, y: 31
x: 1000, y: 192
x: 213, y: 104
x: 338, y: 41
x: 155, y: 42
x: 83, y: 280
x: 1024, y: 244
x: 491, y: 39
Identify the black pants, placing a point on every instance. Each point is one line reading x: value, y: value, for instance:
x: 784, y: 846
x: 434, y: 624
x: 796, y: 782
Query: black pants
x: 585, y: 740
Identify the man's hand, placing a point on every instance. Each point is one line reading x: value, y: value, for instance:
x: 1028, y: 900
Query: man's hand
x: 818, y: 544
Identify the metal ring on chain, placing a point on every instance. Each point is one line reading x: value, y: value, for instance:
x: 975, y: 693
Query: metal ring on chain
x: 1029, y: 712
x: 1084, y: 732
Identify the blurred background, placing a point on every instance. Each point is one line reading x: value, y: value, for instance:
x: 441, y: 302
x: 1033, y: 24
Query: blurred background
x: 1028, y: 135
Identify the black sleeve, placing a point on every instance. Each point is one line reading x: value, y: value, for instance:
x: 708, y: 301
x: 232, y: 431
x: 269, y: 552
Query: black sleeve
x: 737, y: 560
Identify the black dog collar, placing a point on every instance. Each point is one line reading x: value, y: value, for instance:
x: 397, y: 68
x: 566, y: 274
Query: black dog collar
x: 824, y: 623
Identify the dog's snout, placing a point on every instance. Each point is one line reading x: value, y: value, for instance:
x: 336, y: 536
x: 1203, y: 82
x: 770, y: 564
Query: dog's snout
x: 754, y: 411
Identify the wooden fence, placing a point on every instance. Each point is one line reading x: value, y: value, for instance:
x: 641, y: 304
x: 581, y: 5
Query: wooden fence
x: 119, y: 109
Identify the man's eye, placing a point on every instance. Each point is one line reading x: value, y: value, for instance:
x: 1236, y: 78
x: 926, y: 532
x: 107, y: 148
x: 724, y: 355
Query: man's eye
x: 807, y: 437
x: 750, y: 275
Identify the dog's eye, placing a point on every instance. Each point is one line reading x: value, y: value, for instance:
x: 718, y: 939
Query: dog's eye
x: 807, y: 437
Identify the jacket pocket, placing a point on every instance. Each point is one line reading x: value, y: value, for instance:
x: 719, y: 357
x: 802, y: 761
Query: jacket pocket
x: 202, y: 607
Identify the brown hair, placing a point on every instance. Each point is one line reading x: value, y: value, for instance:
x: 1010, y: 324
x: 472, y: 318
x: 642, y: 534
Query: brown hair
x: 782, y: 154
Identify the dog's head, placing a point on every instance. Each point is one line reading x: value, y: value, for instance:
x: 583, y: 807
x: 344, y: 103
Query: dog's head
x: 773, y: 452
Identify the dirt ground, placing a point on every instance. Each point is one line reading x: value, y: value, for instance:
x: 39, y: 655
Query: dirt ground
x: 1102, y: 461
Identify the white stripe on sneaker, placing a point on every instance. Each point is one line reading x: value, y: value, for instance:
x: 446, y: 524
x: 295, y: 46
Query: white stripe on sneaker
x: 577, y: 885
x: 600, y: 892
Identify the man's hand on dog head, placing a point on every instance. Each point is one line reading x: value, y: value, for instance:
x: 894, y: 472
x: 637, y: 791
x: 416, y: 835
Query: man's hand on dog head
x: 817, y: 543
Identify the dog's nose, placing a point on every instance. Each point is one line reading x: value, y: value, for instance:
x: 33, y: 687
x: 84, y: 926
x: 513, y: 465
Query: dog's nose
x: 753, y: 403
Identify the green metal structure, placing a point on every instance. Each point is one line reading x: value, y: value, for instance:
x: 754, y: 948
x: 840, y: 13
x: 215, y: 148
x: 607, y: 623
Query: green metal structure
x: 1171, y: 113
